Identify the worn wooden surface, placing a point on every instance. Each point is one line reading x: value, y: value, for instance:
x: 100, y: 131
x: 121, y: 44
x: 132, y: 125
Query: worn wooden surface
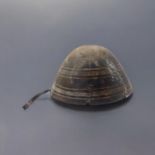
x: 91, y: 75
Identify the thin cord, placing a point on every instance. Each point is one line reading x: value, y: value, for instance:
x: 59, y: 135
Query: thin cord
x: 31, y: 101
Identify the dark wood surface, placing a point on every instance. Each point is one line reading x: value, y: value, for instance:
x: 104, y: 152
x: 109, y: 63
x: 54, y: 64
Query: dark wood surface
x: 91, y: 75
